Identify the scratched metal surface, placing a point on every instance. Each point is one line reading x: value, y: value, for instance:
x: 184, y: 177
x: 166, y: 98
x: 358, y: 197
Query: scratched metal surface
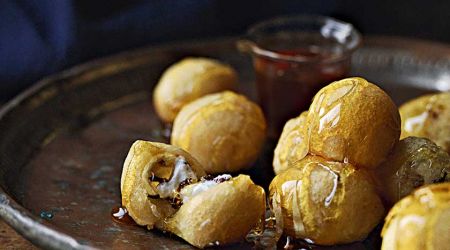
x: 63, y: 141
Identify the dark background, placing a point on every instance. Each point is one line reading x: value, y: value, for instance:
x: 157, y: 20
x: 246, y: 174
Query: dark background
x: 38, y: 38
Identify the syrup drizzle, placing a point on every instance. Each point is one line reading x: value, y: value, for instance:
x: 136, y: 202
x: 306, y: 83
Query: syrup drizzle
x: 265, y: 235
x: 120, y: 215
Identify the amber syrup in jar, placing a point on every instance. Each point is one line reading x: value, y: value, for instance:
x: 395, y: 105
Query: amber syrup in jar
x: 286, y: 88
x: 294, y: 57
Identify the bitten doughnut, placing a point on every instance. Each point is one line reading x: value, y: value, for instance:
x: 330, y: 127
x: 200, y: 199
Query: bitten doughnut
x: 146, y: 166
x: 222, y: 214
x: 188, y: 80
x: 164, y: 187
x: 224, y: 131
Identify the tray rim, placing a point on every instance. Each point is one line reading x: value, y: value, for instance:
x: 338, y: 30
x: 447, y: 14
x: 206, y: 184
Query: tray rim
x: 27, y: 224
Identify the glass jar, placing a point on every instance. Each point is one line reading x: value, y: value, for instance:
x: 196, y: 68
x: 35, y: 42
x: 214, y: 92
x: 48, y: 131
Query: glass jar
x: 293, y: 58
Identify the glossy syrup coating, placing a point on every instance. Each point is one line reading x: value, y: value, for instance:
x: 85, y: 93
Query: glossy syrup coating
x: 224, y: 131
x: 188, y: 80
x: 420, y: 220
x: 414, y: 162
x: 325, y: 202
x: 144, y: 161
x: 163, y: 187
x: 293, y: 144
x: 353, y: 120
x: 428, y: 116
x: 221, y: 215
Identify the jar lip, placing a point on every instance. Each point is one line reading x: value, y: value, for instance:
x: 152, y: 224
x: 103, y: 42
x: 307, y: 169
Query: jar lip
x: 351, y: 45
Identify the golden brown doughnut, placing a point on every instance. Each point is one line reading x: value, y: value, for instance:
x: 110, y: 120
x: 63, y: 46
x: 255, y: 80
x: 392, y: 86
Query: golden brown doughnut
x: 353, y: 120
x: 188, y: 80
x: 144, y: 159
x: 162, y: 186
x: 221, y: 215
x: 223, y: 131
x: 414, y: 162
x: 420, y: 220
x: 325, y: 202
x: 428, y: 116
x: 293, y: 144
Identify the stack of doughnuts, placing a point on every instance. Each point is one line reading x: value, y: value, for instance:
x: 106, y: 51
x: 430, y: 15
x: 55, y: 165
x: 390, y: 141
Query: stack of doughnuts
x: 339, y: 165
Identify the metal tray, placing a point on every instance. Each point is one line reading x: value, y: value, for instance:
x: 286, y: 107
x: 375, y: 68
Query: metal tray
x: 63, y: 141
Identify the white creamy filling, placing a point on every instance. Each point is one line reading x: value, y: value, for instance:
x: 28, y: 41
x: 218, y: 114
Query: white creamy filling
x: 181, y: 172
x: 121, y: 213
x: 190, y: 191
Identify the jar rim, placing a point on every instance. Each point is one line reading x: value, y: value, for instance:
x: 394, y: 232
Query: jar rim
x: 351, y: 39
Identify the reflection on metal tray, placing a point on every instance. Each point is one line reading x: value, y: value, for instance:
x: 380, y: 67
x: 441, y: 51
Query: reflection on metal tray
x: 63, y: 141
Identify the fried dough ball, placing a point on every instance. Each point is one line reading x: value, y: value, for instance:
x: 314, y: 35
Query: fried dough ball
x: 293, y: 144
x: 146, y: 164
x: 188, y: 80
x: 223, y: 131
x: 162, y: 186
x: 414, y: 162
x: 353, y: 120
x: 428, y: 116
x: 419, y: 221
x: 221, y: 215
x: 326, y: 202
